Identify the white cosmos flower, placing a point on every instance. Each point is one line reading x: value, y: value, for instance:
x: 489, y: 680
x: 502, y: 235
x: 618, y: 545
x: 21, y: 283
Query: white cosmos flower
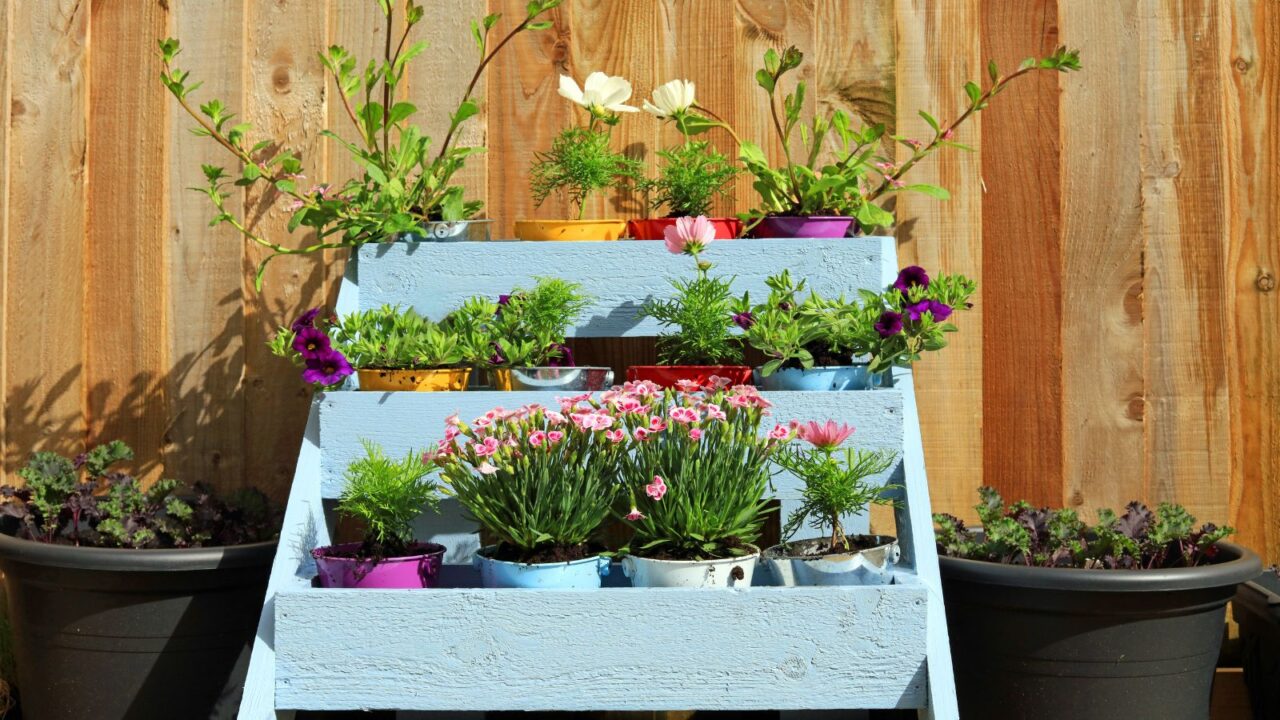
x: 599, y: 93
x: 671, y: 98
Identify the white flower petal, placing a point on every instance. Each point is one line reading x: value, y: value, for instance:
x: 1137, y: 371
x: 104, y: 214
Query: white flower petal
x: 570, y: 90
x: 615, y: 90
x: 651, y: 108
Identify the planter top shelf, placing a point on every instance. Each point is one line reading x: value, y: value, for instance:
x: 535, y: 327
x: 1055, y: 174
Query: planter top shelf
x: 618, y: 276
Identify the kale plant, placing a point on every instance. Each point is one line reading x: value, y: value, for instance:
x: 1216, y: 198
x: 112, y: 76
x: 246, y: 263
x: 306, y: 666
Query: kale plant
x: 1137, y: 539
x: 81, y: 501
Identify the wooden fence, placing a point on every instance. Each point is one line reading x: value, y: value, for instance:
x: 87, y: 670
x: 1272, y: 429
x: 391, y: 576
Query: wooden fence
x: 1121, y: 221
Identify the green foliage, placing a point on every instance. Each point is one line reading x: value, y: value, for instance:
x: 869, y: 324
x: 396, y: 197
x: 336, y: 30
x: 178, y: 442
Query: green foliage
x: 715, y: 498
x: 532, y: 480
x: 529, y: 329
x: 386, y: 495
x: 834, y: 487
x: 82, y: 501
x: 701, y: 315
x: 855, y: 175
x: 793, y: 330
x: 392, y: 338
x: 578, y: 165
x: 1137, y: 539
x: 689, y: 178
x: 404, y: 182
x: 920, y: 334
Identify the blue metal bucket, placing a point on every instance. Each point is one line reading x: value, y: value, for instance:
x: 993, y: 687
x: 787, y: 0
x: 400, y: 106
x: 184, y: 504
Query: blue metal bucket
x: 833, y: 377
x: 582, y: 574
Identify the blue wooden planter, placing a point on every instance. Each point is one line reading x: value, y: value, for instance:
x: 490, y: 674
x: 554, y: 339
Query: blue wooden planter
x: 462, y: 648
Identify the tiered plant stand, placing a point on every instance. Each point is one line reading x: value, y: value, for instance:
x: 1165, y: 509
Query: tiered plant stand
x: 462, y: 648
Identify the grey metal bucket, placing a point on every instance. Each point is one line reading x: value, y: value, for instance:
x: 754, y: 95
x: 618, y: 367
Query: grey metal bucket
x: 449, y: 231
x: 791, y: 566
x: 561, y: 379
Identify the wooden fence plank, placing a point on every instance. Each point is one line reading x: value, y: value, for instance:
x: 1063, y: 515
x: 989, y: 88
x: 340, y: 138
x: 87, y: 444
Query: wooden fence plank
x: 361, y: 28
x: 1021, y: 261
x: 47, y: 146
x: 285, y: 101
x: 6, y: 40
x: 937, y: 51
x: 1102, y: 246
x: 1184, y: 291
x: 205, y: 435
x: 1252, y: 114
x: 525, y: 112
x: 126, y: 286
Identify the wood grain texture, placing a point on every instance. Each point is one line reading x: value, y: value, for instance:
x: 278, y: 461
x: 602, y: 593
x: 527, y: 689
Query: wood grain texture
x: 1251, y: 117
x: 437, y: 650
x: 6, y: 105
x: 126, y: 286
x: 1103, y: 407
x: 855, y: 57
x: 938, y: 49
x: 284, y: 100
x: 435, y: 277
x: 1022, y: 260
x: 205, y: 420
x: 43, y: 340
x: 1188, y: 441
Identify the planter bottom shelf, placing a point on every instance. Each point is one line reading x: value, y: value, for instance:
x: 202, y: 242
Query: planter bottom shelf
x: 618, y: 648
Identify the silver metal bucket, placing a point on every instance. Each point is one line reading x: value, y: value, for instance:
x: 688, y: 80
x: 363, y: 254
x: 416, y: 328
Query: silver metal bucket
x: 561, y: 379
x: 449, y: 231
x: 791, y: 566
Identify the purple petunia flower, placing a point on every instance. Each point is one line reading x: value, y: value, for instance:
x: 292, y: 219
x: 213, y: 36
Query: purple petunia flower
x: 744, y: 320
x: 889, y: 324
x: 911, y: 275
x: 326, y: 369
x: 306, y: 319
x: 496, y: 358
x: 311, y: 342
x: 940, y: 311
x: 565, y: 359
x: 917, y: 310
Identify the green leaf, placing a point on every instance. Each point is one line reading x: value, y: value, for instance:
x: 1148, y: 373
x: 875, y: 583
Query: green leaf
x: 251, y: 172
x: 973, y: 91
x: 929, y: 119
x: 771, y: 61
x: 467, y: 109
x: 401, y: 110
x: 476, y: 35
x: 540, y: 25
x: 992, y: 71
x: 286, y: 186
x: 932, y: 191
x: 765, y: 80
x: 491, y: 20
x: 771, y: 367
x: 412, y: 52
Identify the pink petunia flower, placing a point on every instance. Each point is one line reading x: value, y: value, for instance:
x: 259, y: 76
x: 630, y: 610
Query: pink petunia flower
x: 452, y: 420
x: 555, y: 418
x: 718, y: 382
x: 657, y: 424
x: 537, y: 437
x: 630, y: 406
x: 486, y: 448
x: 634, y: 514
x: 642, y: 434
x: 616, y: 435
x: 825, y: 436
x: 555, y: 436
x: 689, y: 235
x: 684, y: 415
x: 714, y: 412
x: 779, y: 432
x: 656, y: 489
x: 695, y: 434
x: 687, y: 385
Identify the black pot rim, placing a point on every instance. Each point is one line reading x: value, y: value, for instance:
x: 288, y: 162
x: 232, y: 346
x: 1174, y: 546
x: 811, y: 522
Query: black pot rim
x: 33, y: 552
x: 1242, y: 565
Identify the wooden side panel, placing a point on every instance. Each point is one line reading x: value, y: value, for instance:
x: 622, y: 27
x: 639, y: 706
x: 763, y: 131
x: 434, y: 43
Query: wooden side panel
x: 284, y: 100
x: 1188, y: 442
x: 1252, y: 123
x: 126, y: 287
x: 205, y: 424
x: 47, y: 148
x: 938, y: 49
x: 1103, y: 405
x: 1021, y: 261
x: 817, y: 647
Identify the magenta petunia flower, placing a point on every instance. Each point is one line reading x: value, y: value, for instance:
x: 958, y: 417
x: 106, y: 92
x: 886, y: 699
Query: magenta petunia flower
x: 917, y: 310
x: 306, y: 319
x: 909, y: 276
x: 564, y: 359
x: 328, y: 368
x: 940, y: 311
x: 889, y: 324
x: 311, y: 342
x: 744, y: 320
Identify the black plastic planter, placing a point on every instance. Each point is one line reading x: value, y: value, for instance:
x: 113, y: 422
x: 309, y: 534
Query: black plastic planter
x: 106, y: 634
x: 1046, y: 643
x: 1256, y: 607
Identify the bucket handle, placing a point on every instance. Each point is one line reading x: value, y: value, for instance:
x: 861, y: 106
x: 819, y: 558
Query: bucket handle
x: 604, y: 562
x: 628, y: 566
x: 608, y: 382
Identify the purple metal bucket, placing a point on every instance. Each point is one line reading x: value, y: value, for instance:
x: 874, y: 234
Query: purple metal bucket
x: 411, y: 571
x: 785, y: 226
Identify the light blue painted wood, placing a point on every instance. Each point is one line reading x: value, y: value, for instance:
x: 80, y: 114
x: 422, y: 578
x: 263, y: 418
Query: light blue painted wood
x: 457, y: 649
x: 914, y: 520
x: 619, y: 276
x: 304, y: 528
x: 613, y: 649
